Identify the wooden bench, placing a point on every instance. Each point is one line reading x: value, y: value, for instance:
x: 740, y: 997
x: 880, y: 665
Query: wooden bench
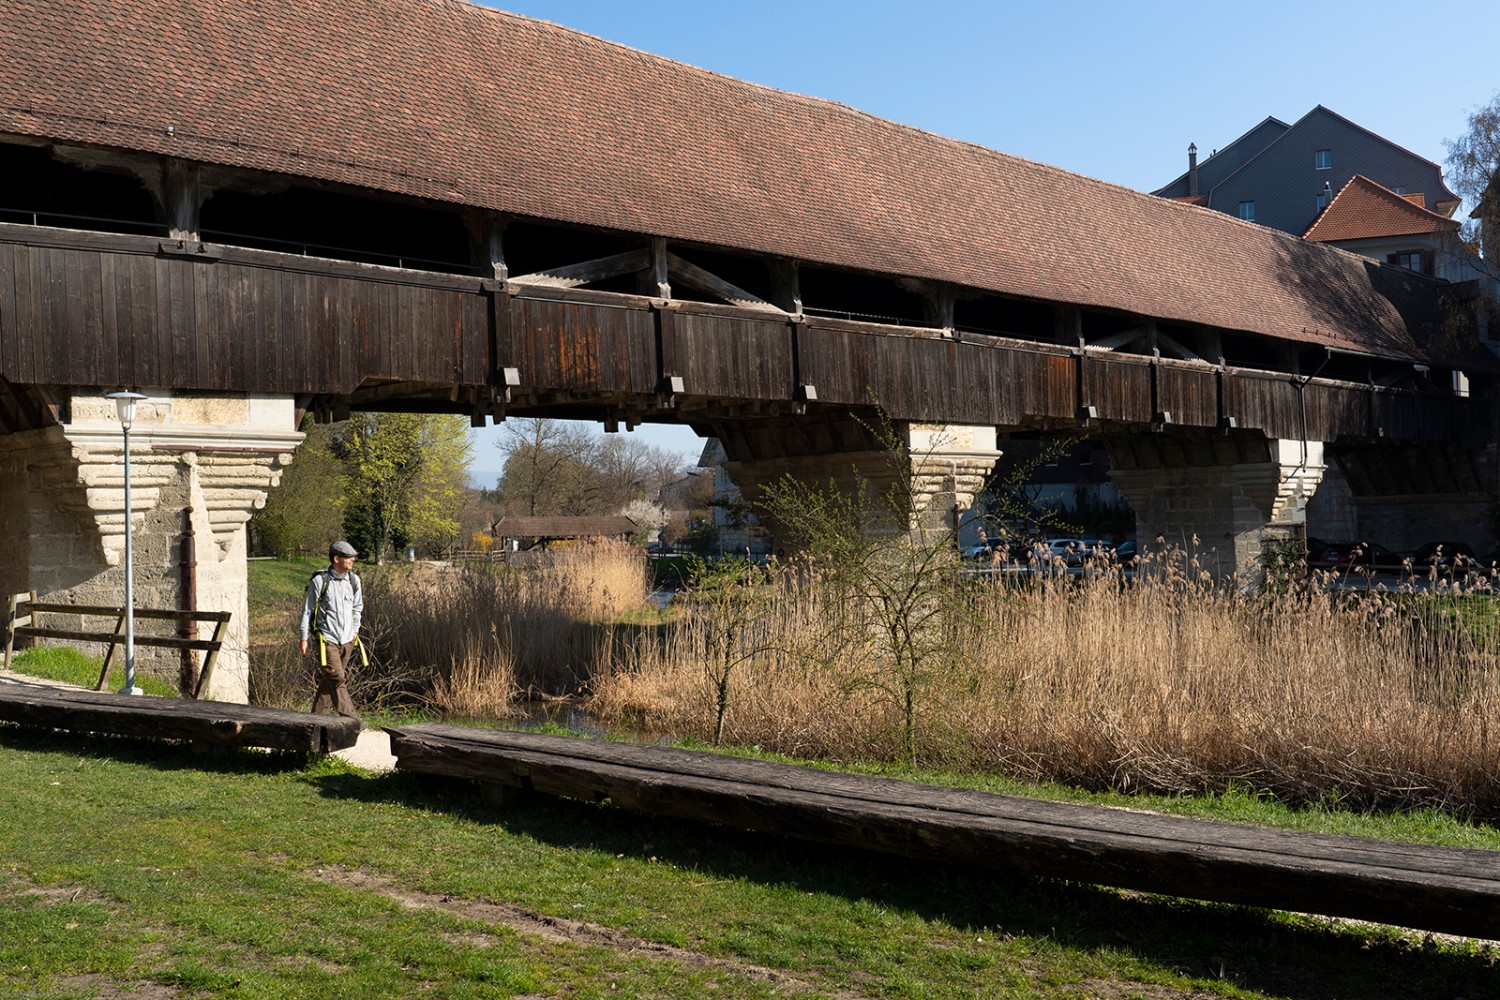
x: 204, y: 723
x: 1450, y: 890
x: 23, y: 620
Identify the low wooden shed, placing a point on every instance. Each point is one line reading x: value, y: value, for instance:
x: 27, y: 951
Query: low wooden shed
x: 518, y: 534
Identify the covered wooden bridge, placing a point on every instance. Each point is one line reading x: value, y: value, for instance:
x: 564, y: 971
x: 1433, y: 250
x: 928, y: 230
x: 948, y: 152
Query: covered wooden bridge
x: 255, y: 212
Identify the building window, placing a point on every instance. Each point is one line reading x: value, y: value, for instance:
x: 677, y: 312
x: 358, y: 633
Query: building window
x: 1413, y: 260
x: 1322, y: 200
x: 1401, y: 189
x: 1247, y: 211
x: 1323, y: 159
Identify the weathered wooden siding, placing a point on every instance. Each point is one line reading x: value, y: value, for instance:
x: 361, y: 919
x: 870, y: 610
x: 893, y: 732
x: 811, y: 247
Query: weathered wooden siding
x: 92, y: 309
x: 729, y: 353
x: 1119, y: 388
x: 1190, y: 395
x: 581, y: 340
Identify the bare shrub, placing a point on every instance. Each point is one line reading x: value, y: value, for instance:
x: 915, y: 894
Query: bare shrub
x: 1172, y: 684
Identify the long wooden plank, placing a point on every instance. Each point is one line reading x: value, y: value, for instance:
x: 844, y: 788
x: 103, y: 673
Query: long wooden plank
x: 1442, y: 889
x: 867, y: 788
x: 212, y: 722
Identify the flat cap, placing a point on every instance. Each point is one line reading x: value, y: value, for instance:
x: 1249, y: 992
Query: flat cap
x: 341, y: 548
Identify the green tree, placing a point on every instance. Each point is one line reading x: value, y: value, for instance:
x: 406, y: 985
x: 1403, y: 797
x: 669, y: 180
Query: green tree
x: 306, y: 509
x: 405, y: 475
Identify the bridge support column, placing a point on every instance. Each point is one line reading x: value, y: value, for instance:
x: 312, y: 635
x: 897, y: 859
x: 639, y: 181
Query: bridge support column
x: 201, y: 461
x: 945, y: 465
x: 1234, y: 509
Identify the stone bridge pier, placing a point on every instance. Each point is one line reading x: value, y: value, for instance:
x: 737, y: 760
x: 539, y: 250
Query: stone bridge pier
x: 1224, y: 498
x: 200, y: 465
x: 944, y: 465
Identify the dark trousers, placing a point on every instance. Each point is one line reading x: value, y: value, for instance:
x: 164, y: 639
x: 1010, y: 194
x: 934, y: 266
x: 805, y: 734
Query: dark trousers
x: 332, y: 695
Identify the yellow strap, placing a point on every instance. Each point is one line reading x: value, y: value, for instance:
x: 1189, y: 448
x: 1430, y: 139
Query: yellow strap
x: 322, y: 650
x: 363, y: 659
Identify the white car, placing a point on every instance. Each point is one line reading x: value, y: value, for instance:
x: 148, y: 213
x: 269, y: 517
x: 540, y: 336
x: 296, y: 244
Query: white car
x: 1074, y: 551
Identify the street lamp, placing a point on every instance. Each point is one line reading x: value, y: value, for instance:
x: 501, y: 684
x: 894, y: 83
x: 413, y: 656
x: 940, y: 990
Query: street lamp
x: 125, y: 407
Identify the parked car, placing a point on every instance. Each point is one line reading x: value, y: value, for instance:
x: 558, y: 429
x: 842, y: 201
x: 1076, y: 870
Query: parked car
x: 1126, y: 553
x: 1370, y: 557
x: 1074, y: 551
x: 1445, y: 557
x: 986, y: 548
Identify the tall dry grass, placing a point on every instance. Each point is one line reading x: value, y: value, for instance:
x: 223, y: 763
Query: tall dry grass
x: 469, y: 641
x: 1172, y: 684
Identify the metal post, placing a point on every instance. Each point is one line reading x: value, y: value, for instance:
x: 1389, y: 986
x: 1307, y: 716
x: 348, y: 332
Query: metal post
x: 125, y: 407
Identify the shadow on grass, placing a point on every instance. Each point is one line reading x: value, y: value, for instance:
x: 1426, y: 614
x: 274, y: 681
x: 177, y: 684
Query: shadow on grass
x: 1294, y: 957
x: 164, y: 755
x: 1250, y: 948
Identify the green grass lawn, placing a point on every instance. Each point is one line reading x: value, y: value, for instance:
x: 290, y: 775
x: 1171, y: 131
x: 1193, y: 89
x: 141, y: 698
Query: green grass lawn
x: 127, y: 863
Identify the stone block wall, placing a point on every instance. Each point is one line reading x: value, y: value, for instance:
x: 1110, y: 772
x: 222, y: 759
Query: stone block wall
x: 201, y: 460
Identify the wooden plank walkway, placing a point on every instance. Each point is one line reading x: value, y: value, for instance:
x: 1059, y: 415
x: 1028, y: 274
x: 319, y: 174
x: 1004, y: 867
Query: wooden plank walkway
x: 211, y: 723
x: 1450, y: 890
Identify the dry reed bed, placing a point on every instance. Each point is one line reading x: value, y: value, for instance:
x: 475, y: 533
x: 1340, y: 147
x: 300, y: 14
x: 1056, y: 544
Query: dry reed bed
x: 1171, y: 685
x: 469, y: 641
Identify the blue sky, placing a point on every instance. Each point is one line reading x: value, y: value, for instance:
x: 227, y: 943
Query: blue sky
x: 1113, y: 90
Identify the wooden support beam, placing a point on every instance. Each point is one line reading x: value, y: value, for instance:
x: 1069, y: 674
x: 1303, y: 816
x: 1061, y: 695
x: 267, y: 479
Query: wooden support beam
x: 573, y: 275
x: 1118, y: 340
x: 1067, y: 325
x: 181, y: 198
x: 938, y: 305
x: 660, y: 268
x: 1175, y: 347
x: 786, y: 286
x: 693, y: 276
x: 1213, y: 346
x: 487, y: 243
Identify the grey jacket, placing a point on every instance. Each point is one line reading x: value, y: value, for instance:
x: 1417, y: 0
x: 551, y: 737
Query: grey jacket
x: 333, y: 607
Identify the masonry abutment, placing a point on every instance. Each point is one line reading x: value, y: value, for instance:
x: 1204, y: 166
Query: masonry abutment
x: 946, y: 467
x: 1227, y: 513
x: 210, y: 459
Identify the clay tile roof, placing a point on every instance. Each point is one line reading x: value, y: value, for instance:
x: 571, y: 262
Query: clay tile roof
x: 452, y: 102
x: 1366, y: 210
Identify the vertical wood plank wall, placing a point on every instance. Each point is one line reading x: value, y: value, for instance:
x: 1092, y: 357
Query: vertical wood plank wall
x: 93, y: 309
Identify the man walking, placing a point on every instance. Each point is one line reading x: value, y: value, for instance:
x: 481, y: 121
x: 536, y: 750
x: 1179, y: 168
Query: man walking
x: 331, y: 615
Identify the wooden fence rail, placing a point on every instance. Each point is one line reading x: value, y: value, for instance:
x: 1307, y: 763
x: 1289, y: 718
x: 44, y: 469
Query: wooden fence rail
x: 23, y: 621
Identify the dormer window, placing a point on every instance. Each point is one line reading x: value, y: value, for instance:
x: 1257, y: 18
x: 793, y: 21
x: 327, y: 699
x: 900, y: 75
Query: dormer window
x: 1413, y: 260
x: 1247, y: 211
x: 1323, y: 159
x: 1322, y: 201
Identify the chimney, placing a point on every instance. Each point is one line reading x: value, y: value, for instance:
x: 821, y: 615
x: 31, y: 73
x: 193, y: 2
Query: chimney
x: 1192, y: 170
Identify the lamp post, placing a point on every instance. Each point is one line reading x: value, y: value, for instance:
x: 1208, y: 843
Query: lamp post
x: 125, y: 407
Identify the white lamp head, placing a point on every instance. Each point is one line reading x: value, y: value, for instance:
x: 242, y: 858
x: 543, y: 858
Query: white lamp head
x: 125, y: 406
